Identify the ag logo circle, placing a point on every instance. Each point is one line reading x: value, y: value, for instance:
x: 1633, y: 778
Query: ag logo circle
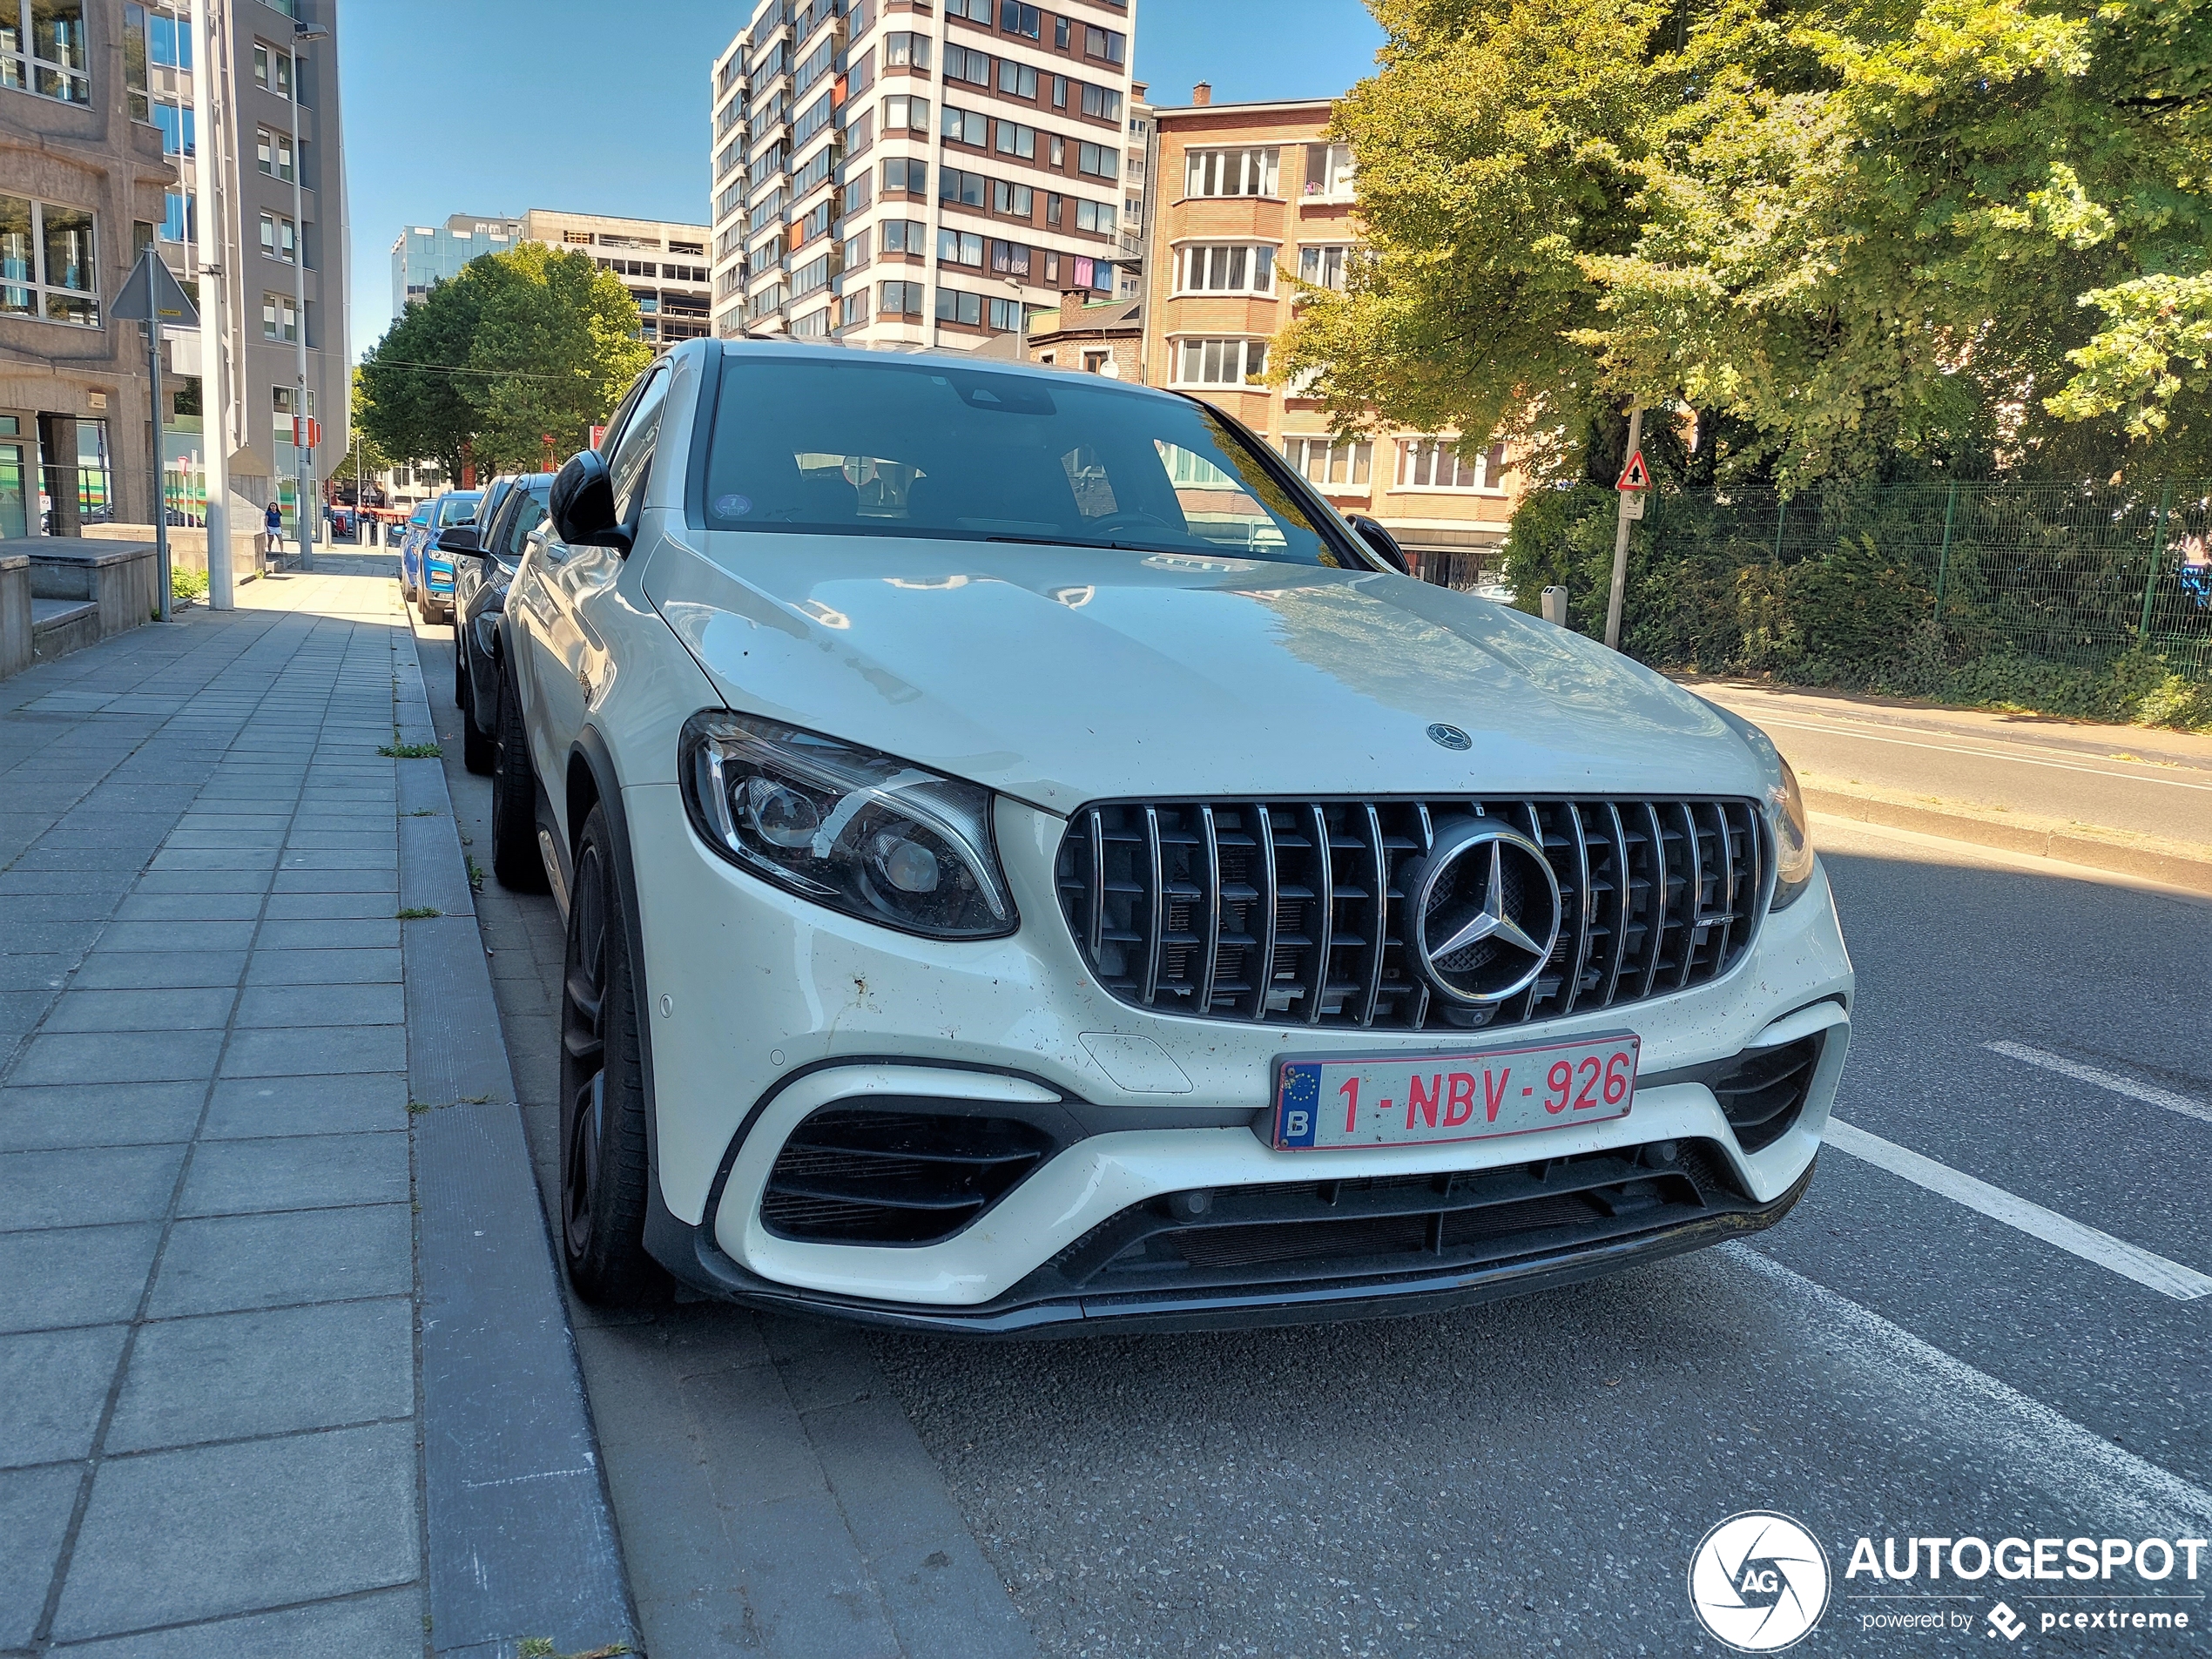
x: 1759, y: 1582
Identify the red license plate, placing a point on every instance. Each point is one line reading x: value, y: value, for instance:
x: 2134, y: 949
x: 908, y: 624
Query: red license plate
x: 1323, y: 1102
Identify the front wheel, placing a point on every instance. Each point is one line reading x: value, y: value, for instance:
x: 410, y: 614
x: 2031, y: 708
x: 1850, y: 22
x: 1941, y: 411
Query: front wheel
x: 604, y: 1161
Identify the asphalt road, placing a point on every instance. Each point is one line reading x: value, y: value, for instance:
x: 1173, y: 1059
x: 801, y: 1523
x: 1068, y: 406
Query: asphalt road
x: 1533, y: 1476
x: 2154, y: 782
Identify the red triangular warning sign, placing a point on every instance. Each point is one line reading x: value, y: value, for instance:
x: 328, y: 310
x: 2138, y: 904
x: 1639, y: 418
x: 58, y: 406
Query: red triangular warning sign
x: 1636, y: 475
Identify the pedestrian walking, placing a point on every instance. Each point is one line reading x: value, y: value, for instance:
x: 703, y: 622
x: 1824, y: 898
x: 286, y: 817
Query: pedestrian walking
x: 272, y: 522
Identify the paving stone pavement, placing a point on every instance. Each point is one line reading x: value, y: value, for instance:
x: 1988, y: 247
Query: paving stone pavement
x: 208, y: 1388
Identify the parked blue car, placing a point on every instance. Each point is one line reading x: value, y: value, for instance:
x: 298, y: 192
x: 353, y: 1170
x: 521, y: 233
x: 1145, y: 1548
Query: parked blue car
x: 426, y: 574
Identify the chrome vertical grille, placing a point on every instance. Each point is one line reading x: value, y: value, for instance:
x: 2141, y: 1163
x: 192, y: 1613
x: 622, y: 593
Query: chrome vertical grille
x: 1292, y: 913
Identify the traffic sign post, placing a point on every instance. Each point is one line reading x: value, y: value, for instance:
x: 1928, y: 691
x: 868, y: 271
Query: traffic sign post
x: 1636, y: 479
x: 153, y: 296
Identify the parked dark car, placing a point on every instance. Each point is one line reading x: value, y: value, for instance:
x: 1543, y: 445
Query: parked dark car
x: 516, y: 506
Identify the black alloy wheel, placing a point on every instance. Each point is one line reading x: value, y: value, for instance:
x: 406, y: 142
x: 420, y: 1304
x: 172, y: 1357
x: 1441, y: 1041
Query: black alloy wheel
x: 603, y: 1160
x: 478, y: 753
x: 515, y: 857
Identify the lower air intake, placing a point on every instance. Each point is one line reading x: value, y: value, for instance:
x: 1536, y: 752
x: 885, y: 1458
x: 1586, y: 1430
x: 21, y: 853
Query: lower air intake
x: 856, y: 1176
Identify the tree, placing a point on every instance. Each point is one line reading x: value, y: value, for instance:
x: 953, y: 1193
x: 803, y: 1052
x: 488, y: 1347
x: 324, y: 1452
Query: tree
x: 371, y: 454
x: 521, y: 344
x: 1857, y: 238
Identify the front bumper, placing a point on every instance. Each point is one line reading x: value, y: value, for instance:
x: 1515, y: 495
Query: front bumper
x: 764, y: 1010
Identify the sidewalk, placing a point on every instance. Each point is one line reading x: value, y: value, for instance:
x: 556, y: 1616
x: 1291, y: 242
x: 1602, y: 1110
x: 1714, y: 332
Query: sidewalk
x: 218, y: 1217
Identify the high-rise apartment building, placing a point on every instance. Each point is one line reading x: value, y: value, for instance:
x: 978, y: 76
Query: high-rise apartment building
x: 96, y: 103
x: 1246, y: 196
x: 890, y: 174
x: 662, y: 265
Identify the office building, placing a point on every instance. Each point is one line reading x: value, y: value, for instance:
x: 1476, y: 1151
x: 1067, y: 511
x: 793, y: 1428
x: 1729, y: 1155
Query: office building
x: 662, y: 265
x: 422, y: 254
x: 894, y: 177
x: 1246, y: 196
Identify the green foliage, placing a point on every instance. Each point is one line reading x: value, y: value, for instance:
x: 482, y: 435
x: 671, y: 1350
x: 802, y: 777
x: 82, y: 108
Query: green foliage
x: 186, y: 584
x: 1856, y: 239
x: 2042, y: 592
x: 532, y: 343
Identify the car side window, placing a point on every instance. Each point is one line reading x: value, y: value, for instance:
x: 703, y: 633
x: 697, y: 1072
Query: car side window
x: 630, y: 464
x: 529, y: 513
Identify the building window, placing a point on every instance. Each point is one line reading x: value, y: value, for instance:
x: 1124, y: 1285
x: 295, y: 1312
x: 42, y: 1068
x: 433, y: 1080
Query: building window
x: 277, y: 237
x: 966, y: 188
x: 1329, y: 171
x: 974, y: 10
x: 815, y: 325
x: 960, y: 247
x: 1230, y: 172
x: 899, y: 299
x: 1232, y: 268
x: 1017, y: 78
x: 1095, y: 217
x: 277, y: 320
x: 1018, y: 19
x: 1060, y: 28
x: 53, y: 61
x: 902, y: 235
x: 48, y: 267
x: 272, y: 150
x: 812, y: 277
x: 962, y: 63
x: 956, y: 305
x: 965, y: 126
x: 856, y: 251
x: 1094, y: 362
x: 910, y: 114
x: 178, y: 136
x: 1099, y: 160
x: 1220, y: 362
x: 1104, y: 43
x: 1436, y: 463
x: 906, y: 51
x: 1015, y: 200
x: 280, y: 406
x: 901, y: 173
x: 1324, y: 462
x: 1014, y: 139
x: 1101, y: 101
x: 1010, y: 259
x: 852, y: 309
x: 272, y: 70
x: 1005, y: 315
x: 1323, y: 267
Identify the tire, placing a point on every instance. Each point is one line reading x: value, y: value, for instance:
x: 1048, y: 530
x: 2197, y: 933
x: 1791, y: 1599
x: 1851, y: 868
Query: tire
x: 460, y: 673
x: 604, y: 1165
x: 514, y: 858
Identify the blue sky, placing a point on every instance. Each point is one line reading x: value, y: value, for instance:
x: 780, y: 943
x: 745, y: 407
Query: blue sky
x: 463, y: 106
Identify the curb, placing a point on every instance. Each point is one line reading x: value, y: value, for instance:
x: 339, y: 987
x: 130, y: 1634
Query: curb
x: 2164, y: 862
x: 519, y: 1535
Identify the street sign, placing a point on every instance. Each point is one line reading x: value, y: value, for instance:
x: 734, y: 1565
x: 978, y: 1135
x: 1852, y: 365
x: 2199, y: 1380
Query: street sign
x: 152, y: 293
x: 1636, y: 475
x: 598, y: 437
x: 314, y: 432
x: 1632, y: 504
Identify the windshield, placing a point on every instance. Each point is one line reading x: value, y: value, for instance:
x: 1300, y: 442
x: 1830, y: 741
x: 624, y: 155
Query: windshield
x: 870, y: 447
x: 454, y: 510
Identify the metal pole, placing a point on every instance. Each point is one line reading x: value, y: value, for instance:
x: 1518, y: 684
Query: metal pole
x: 303, y: 453
x: 2157, y: 558
x: 1943, y: 559
x: 214, y: 388
x: 160, y: 496
x: 1620, y: 541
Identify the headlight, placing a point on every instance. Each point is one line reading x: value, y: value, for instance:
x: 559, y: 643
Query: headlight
x: 845, y: 826
x: 1793, y: 838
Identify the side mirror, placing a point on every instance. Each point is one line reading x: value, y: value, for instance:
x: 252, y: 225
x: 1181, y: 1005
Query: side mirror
x: 459, y: 538
x: 582, y: 504
x: 1381, y: 543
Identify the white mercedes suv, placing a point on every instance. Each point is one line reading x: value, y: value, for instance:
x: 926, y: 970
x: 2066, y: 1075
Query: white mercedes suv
x: 1030, y: 866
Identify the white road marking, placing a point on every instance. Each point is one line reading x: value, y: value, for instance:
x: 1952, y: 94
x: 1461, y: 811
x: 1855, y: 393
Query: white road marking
x: 1953, y: 1396
x: 2188, y: 1105
x: 2130, y: 1261
x: 1834, y: 730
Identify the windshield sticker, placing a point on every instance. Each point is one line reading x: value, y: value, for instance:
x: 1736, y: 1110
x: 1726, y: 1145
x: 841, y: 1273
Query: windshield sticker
x: 732, y: 506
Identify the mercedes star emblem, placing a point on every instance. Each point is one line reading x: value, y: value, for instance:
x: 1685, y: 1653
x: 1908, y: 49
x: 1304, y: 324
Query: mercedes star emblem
x: 1450, y: 737
x: 1485, y: 912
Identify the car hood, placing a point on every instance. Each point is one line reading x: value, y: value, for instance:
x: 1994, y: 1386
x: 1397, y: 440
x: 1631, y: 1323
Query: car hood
x: 1065, y: 675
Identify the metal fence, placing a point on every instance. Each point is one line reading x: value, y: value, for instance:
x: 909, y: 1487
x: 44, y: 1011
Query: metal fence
x: 2076, y: 574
